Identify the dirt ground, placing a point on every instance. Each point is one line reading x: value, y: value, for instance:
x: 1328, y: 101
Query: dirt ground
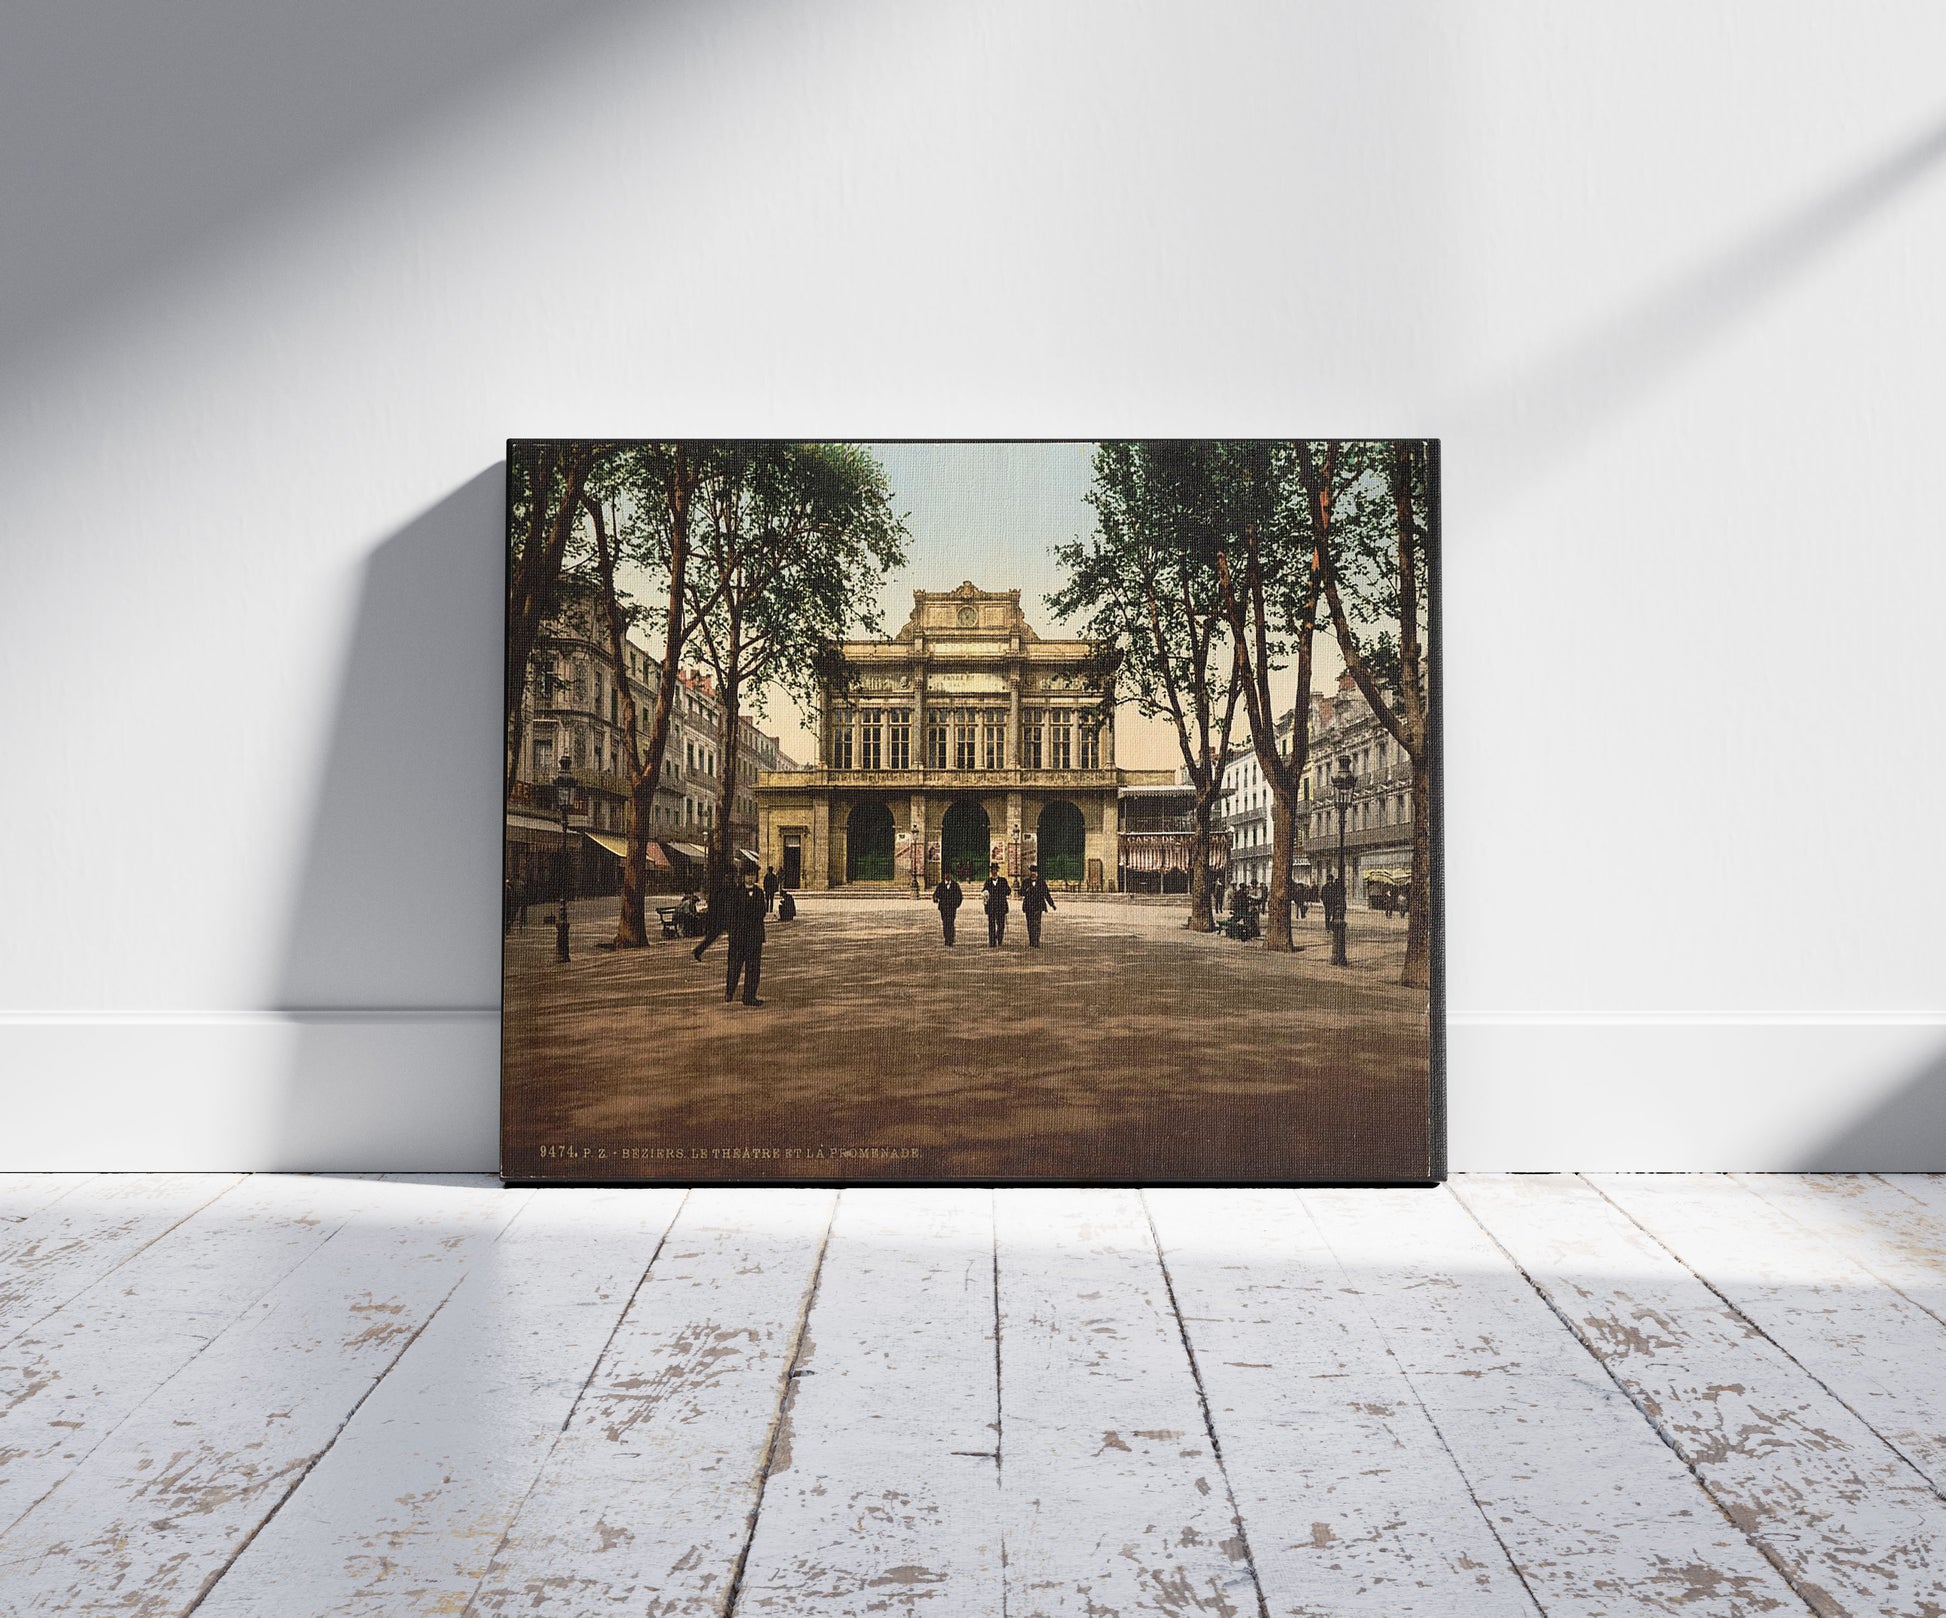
x: 1126, y: 1048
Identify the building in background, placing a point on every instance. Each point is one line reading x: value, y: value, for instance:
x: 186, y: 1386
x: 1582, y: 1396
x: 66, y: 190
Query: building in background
x: 966, y: 739
x: 571, y: 707
x: 1245, y: 812
x: 1378, y: 824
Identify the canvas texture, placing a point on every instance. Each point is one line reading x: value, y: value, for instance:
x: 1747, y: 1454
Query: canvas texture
x: 972, y: 812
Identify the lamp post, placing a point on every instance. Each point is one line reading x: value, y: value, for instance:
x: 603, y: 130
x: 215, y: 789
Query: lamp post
x: 564, y: 801
x: 1342, y: 784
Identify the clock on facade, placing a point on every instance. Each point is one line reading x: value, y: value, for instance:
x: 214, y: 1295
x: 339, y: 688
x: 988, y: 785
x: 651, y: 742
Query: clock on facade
x: 968, y: 617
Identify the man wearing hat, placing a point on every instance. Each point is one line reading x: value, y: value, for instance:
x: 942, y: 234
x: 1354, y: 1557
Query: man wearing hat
x: 997, y: 891
x: 947, y: 897
x: 1034, y: 901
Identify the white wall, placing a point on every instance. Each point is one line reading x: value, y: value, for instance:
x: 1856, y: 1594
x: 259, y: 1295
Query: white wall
x: 279, y: 281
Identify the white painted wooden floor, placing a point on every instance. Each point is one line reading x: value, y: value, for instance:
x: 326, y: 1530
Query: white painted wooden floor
x: 283, y: 1396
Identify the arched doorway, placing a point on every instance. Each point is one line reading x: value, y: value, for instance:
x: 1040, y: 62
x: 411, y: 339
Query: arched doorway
x: 1062, y: 840
x: 868, y: 844
x: 966, y: 841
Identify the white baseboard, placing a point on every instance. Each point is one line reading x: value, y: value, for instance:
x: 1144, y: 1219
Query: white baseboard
x: 420, y: 1091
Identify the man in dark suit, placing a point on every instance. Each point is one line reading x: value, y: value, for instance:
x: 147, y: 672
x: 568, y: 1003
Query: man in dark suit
x: 1334, y: 902
x: 1034, y: 901
x: 745, y: 927
x: 770, y: 887
x: 947, y: 897
x: 996, y: 893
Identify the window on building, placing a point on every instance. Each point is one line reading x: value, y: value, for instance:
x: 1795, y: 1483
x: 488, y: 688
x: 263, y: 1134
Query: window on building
x: 869, y: 755
x: 1033, y: 729
x: 993, y: 741
x: 1090, y: 746
x: 1060, y: 739
x: 544, y: 756
x: 965, y: 737
x: 935, y: 742
x: 898, y: 738
x: 842, y: 733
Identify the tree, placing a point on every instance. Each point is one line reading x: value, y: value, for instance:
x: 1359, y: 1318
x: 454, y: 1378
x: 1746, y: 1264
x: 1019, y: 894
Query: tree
x: 1149, y: 595
x: 794, y: 543
x: 544, y: 484
x: 1270, y: 568
x: 648, y: 489
x: 1375, y: 568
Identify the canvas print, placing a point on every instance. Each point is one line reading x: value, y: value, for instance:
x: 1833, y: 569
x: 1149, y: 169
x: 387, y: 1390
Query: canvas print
x: 972, y: 812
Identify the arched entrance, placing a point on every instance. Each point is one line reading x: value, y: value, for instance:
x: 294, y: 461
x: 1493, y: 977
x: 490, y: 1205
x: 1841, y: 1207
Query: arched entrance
x: 966, y: 841
x: 868, y: 844
x: 1062, y: 840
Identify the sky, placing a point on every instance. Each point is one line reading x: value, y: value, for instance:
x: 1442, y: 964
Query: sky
x: 993, y: 513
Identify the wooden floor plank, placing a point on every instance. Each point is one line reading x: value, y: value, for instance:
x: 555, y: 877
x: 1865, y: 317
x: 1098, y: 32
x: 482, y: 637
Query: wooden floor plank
x: 884, y: 1493
x: 23, y: 1194
x: 1873, y: 1348
x: 156, y: 1512
x: 1351, y: 1502
x: 1893, y: 1224
x: 645, y: 1503
x: 77, y: 1374
x: 1849, y: 1521
x: 403, y: 1514
x: 1113, y: 1499
x: 1599, y: 1516
x: 62, y: 1248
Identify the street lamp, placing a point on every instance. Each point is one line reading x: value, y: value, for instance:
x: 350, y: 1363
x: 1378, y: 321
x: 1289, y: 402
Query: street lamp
x: 564, y: 801
x: 1342, y: 784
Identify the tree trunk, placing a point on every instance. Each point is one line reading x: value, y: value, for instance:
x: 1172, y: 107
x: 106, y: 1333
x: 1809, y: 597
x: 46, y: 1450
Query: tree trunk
x: 1277, y: 914
x: 530, y: 596
x: 1201, y: 917
x: 1418, y: 921
x: 722, y: 847
x: 641, y: 805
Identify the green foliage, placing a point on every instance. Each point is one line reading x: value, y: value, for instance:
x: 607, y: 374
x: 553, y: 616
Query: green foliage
x: 794, y: 542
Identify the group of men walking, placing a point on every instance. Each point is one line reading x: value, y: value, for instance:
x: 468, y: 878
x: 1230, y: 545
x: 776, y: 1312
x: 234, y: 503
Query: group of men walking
x: 995, y: 897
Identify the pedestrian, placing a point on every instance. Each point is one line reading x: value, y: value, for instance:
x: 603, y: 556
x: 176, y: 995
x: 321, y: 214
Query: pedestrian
x: 1035, y: 899
x: 786, y: 905
x: 771, y: 883
x: 997, y: 891
x: 947, y: 897
x: 1216, y: 895
x: 739, y: 912
x: 1301, y: 892
x: 1334, y: 902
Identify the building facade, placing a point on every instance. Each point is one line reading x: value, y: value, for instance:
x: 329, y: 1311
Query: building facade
x: 1245, y: 812
x: 966, y: 740
x: 1378, y: 821
x: 1158, y: 835
x: 571, y: 708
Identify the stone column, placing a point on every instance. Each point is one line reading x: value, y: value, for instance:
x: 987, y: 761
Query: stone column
x: 1111, y: 840
x: 1108, y: 741
x: 1013, y: 836
x: 919, y: 717
x: 1013, y: 716
x: 917, y: 827
x: 819, y: 876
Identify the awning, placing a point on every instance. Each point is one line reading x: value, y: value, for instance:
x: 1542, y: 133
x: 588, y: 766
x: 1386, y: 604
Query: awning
x: 745, y: 854
x: 688, y: 851
x: 532, y: 823
x: 618, y: 846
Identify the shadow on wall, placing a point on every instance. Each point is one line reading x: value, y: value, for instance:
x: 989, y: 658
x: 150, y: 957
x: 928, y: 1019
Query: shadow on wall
x: 134, y: 139
x: 1550, y: 408
x: 391, y: 968
x: 1905, y: 1134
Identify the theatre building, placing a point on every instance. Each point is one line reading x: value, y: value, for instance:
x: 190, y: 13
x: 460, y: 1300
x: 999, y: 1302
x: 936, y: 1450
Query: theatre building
x: 965, y: 740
